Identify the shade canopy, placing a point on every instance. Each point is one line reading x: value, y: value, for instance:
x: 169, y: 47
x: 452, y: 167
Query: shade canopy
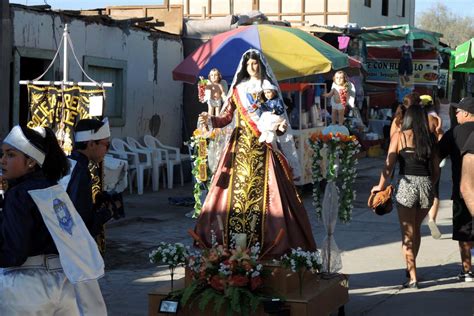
x: 399, y: 33
x: 291, y: 53
x: 464, y: 57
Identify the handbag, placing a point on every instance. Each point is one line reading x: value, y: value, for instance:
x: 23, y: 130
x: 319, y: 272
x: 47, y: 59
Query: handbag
x: 381, y: 201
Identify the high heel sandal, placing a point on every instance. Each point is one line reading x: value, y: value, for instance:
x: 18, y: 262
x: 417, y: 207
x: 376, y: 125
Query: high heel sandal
x: 410, y: 285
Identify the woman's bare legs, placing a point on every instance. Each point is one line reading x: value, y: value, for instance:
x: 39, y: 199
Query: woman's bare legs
x: 465, y: 249
x: 410, y: 221
x: 432, y: 214
x: 420, y: 215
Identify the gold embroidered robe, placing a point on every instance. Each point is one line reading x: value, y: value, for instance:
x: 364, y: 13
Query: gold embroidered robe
x: 253, y: 182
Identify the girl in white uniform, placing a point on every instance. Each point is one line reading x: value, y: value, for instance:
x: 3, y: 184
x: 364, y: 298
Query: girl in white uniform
x: 33, y: 281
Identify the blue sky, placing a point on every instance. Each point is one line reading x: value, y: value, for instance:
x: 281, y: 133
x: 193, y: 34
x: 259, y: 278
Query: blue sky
x: 459, y: 7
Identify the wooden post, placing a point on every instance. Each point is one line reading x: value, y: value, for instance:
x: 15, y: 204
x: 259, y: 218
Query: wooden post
x: 5, y: 61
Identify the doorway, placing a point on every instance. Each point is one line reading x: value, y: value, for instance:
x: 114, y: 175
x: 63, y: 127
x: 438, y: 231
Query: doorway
x: 29, y: 64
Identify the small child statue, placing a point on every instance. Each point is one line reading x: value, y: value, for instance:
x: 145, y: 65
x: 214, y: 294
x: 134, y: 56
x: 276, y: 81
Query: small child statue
x: 215, y: 90
x: 271, y: 118
x: 342, y: 94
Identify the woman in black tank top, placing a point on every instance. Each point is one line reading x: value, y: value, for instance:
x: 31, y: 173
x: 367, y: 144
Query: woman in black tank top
x: 414, y: 147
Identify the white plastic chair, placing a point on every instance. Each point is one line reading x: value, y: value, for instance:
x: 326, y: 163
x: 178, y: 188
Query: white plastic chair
x: 136, y: 167
x: 157, y: 161
x: 173, y: 157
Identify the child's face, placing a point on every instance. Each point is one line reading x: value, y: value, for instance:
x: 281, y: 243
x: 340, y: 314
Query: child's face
x: 269, y: 94
x: 339, y: 79
x: 214, y: 77
x: 14, y: 163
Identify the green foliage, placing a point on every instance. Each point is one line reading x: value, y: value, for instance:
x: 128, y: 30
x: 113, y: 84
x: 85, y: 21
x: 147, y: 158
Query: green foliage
x: 439, y: 18
x: 199, y: 186
x: 188, y: 292
x: 235, y: 300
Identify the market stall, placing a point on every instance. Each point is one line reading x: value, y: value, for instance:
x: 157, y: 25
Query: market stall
x: 306, y: 118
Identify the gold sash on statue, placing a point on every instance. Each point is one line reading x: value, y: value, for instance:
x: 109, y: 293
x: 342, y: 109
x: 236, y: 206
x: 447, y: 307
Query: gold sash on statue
x: 247, y: 201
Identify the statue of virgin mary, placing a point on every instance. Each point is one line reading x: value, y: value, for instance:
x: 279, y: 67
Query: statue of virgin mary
x: 252, y: 190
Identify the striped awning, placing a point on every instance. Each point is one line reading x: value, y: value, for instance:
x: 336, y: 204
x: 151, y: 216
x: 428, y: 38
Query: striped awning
x: 399, y: 32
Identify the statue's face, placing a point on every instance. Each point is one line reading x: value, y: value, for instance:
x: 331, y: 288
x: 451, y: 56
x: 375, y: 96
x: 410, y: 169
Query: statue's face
x: 253, y: 68
x: 339, y: 79
x: 214, y: 76
x: 269, y: 94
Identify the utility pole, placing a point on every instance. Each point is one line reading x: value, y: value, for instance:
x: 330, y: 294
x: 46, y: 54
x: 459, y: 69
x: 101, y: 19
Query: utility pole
x: 5, y: 62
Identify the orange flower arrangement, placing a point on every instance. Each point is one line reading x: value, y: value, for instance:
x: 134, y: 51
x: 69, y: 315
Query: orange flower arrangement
x: 318, y: 136
x: 232, y: 276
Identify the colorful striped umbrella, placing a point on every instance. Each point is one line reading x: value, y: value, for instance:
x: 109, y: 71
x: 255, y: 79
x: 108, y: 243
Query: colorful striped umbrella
x: 290, y: 52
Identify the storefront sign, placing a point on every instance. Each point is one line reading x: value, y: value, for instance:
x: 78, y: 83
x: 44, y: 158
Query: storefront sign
x: 385, y: 70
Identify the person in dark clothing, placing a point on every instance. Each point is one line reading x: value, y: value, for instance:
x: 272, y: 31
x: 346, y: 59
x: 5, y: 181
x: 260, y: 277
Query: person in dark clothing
x: 91, y: 144
x: 34, y: 280
x: 467, y: 174
x: 451, y: 144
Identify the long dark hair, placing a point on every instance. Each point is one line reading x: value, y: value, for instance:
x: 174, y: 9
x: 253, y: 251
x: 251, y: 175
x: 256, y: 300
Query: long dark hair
x: 55, y: 164
x: 416, y: 119
x: 243, y: 74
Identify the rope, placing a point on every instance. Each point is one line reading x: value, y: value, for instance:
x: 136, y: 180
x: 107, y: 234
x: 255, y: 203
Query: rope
x: 84, y: 72
x: 77, y: 61
x: 52, y: 62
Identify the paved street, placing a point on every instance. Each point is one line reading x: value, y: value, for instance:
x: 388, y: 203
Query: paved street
x: 370, y: 245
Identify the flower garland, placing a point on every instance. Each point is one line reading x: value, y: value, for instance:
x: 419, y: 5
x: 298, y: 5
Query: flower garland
x: 201, y: 172
x: 335, y: 159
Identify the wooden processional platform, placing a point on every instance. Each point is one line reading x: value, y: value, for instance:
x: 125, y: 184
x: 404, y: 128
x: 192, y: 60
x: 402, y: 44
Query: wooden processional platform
x: 321, y: 295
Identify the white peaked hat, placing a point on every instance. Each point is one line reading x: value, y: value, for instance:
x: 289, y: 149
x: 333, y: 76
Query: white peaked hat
x: 103, y: 132
x: 18, y: 140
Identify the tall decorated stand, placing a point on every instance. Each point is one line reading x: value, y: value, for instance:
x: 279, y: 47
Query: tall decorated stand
x: 334, y: 164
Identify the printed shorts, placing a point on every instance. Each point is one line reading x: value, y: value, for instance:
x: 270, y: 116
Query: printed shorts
x: 415, y: 191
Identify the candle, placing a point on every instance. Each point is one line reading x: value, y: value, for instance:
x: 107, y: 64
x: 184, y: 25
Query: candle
x: 240, y: 240
x: 219, y: 222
